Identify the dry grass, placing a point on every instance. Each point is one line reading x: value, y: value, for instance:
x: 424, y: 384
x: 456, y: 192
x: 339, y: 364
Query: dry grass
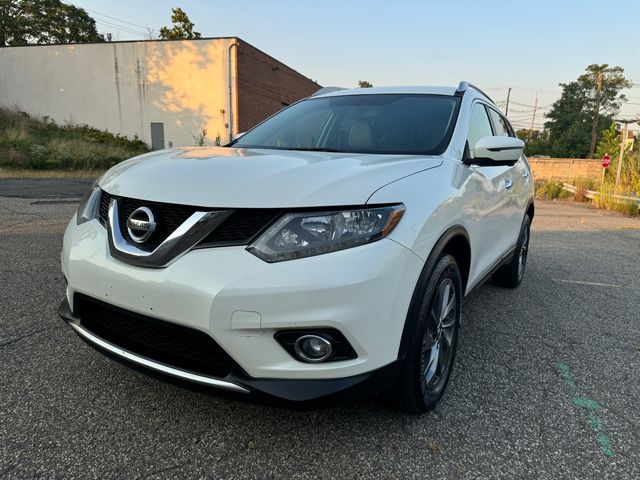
x: 550, y: 190
x: 31, y: 173
x: 79, y: 154
x: 606, y: 200
x: 15, y: 133
x: 27, y: 143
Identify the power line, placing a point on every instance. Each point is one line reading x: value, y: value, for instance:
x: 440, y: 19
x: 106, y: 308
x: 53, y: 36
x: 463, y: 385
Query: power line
x: 106, y: 23
x: 527, y: 125
x: 555, y: 92
x: 117, y: 19
x: 524, y: 111
x: 524, y: 119
x: 118, y: 27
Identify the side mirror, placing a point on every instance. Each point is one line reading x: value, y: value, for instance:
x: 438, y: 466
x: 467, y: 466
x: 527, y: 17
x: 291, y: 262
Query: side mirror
x: 497, y: 150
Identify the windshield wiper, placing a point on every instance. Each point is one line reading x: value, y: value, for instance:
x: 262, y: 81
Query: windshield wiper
x: 301, y: 149
x: 310, y: 149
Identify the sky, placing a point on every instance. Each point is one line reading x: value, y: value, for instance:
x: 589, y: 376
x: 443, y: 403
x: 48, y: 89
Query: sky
x: 528, y: 46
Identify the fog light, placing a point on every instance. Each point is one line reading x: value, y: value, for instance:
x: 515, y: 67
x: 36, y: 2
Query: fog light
x: 313, y: 348
x: 292, y: 342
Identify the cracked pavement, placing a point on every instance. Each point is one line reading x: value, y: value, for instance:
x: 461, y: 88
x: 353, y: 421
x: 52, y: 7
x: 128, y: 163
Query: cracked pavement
x: 68, y: 412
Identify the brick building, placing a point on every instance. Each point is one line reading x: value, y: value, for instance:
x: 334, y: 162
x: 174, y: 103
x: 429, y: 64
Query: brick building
x: 165, y: 92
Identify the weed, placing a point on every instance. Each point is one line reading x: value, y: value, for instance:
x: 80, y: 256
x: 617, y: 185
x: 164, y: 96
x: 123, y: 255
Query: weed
x: 550, y: 190
x: 434, y: 446
x: 42, y: 144
x: 201, y: 138
x: 605, y: 199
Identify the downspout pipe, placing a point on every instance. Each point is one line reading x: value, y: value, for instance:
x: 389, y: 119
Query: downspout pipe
x: 232, y: 114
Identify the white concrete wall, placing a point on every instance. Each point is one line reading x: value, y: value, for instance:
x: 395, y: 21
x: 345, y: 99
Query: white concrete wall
x: 123, y: 87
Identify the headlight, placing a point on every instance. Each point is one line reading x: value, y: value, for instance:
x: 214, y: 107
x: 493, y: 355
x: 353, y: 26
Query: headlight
x: 89, y: 205
x: 298, y: 235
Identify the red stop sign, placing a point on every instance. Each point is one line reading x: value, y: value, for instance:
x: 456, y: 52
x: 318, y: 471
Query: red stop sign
x: 606, y: 161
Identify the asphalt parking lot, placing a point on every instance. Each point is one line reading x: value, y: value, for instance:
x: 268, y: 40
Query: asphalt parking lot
x: 546, y: 385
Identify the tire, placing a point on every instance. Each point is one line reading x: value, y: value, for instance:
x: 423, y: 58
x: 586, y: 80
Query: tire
x: 432, y: 348
x: 511, y: 274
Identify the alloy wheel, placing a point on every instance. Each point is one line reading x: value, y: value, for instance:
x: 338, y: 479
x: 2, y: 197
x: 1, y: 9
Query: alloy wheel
x: 522, y: 255
x: 437, y: 344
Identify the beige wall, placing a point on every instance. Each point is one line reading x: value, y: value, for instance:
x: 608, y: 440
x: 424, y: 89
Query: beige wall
x: 124, y: 86
x: 565, y: 169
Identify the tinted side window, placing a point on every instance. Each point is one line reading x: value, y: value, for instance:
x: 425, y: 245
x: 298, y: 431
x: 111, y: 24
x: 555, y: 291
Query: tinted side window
x: 510, y: 127
x: 499, y: 124
x: 479, y: 126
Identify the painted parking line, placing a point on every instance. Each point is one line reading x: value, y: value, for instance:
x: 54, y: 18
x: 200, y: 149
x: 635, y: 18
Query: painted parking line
x: 593, y: 284
x: 588, y: 404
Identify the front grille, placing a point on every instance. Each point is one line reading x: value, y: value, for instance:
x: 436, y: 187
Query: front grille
x: 105, y: 200
x: 239, y: 229
x: 168, y: 218
x: 164, y: 342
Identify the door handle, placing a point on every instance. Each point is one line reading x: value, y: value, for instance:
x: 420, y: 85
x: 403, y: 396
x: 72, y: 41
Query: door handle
x: 508, y: 183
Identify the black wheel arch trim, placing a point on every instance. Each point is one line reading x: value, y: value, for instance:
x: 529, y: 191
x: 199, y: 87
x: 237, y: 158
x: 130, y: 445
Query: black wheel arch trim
x: 530, y: 207
x: 436, y: 251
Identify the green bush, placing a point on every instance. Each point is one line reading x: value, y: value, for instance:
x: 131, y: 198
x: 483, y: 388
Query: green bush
x: 586, y: 183
x: 550, y: 190
x: 605, y: 199
x: 42, y: 144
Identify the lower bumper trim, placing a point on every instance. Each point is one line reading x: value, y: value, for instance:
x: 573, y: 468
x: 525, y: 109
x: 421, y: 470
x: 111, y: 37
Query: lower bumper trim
x: 92, y: 339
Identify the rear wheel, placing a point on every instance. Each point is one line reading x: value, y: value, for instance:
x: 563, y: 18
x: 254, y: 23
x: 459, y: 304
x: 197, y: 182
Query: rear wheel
x: 511, y: 274
x: 433, y: 344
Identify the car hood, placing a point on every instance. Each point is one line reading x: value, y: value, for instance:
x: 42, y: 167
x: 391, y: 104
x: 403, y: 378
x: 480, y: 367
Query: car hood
x: 258, y: 178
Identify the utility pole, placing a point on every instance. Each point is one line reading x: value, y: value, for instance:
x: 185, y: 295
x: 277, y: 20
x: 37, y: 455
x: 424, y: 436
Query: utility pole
x: 596, y: 114
x: 506, y: 110
x: 533, y: 119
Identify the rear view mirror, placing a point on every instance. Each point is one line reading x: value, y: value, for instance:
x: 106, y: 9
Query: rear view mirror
x: 497, y: 150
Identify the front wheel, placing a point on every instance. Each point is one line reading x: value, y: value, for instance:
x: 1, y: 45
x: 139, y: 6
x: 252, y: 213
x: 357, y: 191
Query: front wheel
x: 434, y: 339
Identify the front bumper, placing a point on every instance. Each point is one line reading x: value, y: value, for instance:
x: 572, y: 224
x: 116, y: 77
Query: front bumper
x: 241, y: 301
x: 239, y: 382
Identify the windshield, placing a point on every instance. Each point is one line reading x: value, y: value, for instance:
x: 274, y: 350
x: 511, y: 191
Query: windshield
x: 373, y: 123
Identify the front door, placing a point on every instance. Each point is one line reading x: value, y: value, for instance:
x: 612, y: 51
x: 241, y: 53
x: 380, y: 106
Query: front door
x: 492, y: 199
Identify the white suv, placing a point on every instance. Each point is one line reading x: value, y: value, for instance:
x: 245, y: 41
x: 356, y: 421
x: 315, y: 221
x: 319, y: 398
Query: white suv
x: 325, y: 253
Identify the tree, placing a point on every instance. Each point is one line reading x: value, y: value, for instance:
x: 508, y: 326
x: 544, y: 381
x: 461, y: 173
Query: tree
x: 571, y: 116
x: 610, y: 145
x: 535, y: 144
x: 182, y: 26
x: 364, y: 84
x: 24, y: 22
x: 151, y: 34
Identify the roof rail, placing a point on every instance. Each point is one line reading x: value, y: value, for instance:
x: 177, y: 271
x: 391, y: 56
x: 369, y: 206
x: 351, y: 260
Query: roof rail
x: 463, y: 86
x: 324, y: 90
